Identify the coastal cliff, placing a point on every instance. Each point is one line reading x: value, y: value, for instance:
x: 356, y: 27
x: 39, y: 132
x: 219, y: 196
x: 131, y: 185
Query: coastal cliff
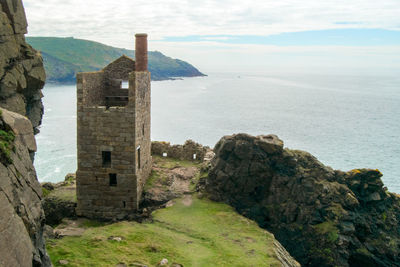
x: 22, y: 217
x: 21, y: 78
x: 323, y: 217
x: 22, y: 74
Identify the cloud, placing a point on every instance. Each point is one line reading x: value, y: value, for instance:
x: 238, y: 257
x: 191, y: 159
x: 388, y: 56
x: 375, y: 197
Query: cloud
x: 213, y: 56
x: 210, y: 29
x: 114, y: 22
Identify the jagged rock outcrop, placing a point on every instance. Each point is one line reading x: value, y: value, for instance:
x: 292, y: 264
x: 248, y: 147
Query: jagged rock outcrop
x: 22, y: 217
x: 323, y: 217
x: 22, y: 75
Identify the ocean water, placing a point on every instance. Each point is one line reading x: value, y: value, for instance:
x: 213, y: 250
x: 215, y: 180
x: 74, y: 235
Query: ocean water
x: 346, y: 121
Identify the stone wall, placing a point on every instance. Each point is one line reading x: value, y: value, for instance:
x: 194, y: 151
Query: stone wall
x: 101, y: 130
x: 140, y: 96
x: 112, y: 188
x: 22, y: 75
x: 182, y: 152
x: 91, y: 88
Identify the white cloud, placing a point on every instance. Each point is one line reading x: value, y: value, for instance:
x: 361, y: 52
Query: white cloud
x: 114, y: 22
x: 215, y: 57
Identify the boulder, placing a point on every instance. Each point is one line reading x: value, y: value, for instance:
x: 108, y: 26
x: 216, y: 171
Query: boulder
x: 323, y: 217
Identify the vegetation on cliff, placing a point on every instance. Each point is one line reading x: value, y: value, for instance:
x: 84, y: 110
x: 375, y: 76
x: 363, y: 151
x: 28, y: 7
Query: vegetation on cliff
x: 323, y: 217
x: 6, y: 142
x: 203, y: 233
x: 190, y: 231
x: 64, y: 57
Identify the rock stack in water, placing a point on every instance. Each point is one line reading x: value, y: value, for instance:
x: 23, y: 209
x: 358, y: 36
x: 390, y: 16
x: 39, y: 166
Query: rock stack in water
x: 21, y: 78
x: 323, y: 217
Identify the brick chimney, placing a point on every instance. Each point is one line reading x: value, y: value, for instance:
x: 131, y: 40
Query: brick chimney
x: 141, y: 52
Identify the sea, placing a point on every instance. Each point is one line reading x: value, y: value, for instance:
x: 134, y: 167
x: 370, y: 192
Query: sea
x: 346, y: 121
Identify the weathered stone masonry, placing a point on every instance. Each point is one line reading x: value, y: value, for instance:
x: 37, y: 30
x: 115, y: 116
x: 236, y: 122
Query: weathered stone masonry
x: 114, y: 158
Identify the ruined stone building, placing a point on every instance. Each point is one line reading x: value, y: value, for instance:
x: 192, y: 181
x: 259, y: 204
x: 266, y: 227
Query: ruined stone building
x: 113, y: 123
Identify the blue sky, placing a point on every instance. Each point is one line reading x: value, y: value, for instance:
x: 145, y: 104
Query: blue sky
x: 236, y: 35
x: 341, y: 37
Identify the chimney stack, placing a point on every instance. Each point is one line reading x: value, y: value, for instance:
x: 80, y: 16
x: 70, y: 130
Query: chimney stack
x: 141, y: 52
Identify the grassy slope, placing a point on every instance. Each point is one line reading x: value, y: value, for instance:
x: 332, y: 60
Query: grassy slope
x: 65, y: 55
x: 203, y: 234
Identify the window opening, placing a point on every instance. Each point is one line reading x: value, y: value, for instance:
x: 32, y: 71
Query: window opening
x: 113, y: 179
x: 106, y: 156
x: 125, y: 84
x: 138, y: 152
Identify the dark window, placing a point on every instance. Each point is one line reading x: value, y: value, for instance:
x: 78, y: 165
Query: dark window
x: 113, y: 179
x: 143, y: 129
x: 124, y: 203
x: 138, y: 157
x: 106, y: 155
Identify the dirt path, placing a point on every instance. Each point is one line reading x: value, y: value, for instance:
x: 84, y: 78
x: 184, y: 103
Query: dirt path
x: 171, y: 183
x: 70, y: 228
x: 187, y: 200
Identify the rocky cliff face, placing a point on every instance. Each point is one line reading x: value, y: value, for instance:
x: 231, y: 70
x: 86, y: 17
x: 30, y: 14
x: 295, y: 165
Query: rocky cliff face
x: 21, y: 78
x: 323, y: 217
x: 22, y: 216
x: 22, y: 74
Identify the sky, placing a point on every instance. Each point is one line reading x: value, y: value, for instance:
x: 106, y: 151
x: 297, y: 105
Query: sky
x: 240, y: 36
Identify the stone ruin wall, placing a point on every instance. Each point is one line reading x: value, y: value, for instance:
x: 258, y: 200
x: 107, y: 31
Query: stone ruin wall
x: 118, y: 130
x: 94, y: 91
x: 142, y: 99
x: 182, y: 152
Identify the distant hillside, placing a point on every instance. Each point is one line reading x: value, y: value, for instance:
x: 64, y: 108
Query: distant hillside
x: 64, y: 57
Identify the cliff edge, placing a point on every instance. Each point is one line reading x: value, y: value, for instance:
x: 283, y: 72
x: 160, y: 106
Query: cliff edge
x: 22, y: 74
x: 21, y: 78
x: 22, y: 216
x: 323, y: 217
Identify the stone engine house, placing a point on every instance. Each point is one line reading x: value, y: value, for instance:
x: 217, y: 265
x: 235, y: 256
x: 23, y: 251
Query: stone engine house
x: 114, y: 146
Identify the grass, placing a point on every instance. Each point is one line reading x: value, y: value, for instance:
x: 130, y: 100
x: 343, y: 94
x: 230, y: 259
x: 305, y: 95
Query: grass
x: 156, y: 177
x: 329, y: 229
x: 170, y: 163
x: 64, y: 193
x: 6, y: 145
x: 202, y: 234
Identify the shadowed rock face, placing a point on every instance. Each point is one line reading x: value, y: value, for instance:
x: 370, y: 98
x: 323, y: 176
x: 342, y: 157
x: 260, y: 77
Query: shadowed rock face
x: 21, y: 78
x: 22, y: 74
x: 22, y: 216
x: 323, y: 217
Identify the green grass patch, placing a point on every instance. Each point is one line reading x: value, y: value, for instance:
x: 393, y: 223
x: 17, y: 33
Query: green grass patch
x: 329, y: 229
x: 67, y: 193
x: 6, y: 145
x: 202, y: 234
x: 170, y: 163
x: 156, y: 178
x: 45, y: 192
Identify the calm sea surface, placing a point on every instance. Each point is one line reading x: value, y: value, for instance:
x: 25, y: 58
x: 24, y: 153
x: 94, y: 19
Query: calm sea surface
x: 347, y: 121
